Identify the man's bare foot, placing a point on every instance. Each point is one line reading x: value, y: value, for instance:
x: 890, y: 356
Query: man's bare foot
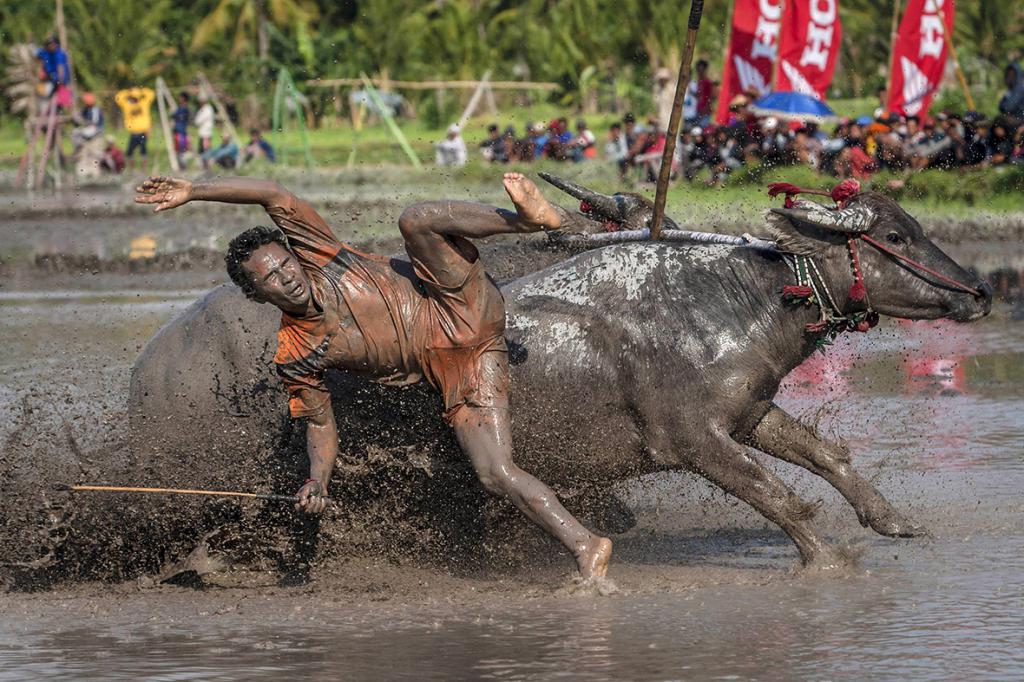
x: 530, y: 203
x: 593, y: 561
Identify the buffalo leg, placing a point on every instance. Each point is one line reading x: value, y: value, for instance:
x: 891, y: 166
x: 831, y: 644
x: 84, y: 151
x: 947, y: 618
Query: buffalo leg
x: 782, y: 436
x: 730, y: 466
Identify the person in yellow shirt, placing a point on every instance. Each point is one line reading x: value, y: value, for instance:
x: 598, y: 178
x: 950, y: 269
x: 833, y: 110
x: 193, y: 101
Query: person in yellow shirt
x: 135, y: 105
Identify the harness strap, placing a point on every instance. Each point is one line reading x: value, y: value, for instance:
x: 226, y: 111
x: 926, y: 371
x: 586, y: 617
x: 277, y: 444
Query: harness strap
x: 918, y: 266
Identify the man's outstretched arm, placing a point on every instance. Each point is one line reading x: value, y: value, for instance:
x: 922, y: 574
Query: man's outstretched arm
x: 167, y: 192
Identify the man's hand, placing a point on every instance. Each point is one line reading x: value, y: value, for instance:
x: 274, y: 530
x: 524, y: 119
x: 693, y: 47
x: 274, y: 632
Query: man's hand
x: 164, y: 192
x: 312, y: 498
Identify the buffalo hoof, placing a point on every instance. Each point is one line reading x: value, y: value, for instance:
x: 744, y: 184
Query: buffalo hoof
x: 828, y: 559
x: 895, y: 525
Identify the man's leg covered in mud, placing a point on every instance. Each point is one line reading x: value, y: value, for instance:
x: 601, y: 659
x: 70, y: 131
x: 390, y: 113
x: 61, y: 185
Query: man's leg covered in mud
x: 485, y: 435
x: 435, y: 232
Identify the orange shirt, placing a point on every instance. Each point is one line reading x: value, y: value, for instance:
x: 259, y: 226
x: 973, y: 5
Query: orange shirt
x: 367, y: 308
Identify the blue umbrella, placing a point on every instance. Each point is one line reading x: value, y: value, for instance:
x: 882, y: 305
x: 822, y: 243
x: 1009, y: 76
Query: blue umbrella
x: 793, y: 106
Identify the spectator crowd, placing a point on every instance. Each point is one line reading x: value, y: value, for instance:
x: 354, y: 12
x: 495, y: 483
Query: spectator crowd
x: 850, y: 147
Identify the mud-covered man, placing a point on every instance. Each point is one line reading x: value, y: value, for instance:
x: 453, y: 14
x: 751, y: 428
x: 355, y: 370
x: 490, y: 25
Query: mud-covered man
x: 438, y: 317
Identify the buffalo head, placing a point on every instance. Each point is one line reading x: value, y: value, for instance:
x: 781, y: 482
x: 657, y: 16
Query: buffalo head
x: 895, y: 286
x: 625, y: 210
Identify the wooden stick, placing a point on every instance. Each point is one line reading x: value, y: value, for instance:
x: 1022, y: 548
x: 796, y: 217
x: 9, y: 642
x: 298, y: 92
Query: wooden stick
x: 682, y: 85
x: 178, y: 491
x: 892, y: 50
x: 956, y: 62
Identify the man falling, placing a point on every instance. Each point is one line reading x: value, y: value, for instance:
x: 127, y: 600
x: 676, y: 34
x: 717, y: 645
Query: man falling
x: 438, y: 317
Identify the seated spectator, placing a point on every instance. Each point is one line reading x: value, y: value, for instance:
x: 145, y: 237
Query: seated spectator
x: 113, y: 157
x: 1000, y: 144
x: 493, y: 148
x: 584, y: 144
x: 537, y: 137
x: 258, y: 148
x: 729, y: 156
x: 1018, y: 146
x: 616, y: 149
x: 88, y: 122
x: 807, y: 148
x: 225, y: 155
x: 452, y: 150
x: 976, y: 149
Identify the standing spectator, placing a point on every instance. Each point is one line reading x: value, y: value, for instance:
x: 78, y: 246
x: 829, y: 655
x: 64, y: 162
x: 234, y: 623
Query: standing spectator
x: 493, y: 148
x: 258, y: 148
x: 135, y: 105
x: 661, y: 96
x: 54, y: 62
x: 705, y: 93
x: 181, y: 117
x: 452, y: 150
x: 584, y: 144
x: 205, y: 120
x: 1012, y: 103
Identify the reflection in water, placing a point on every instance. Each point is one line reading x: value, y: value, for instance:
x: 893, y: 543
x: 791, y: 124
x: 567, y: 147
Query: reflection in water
x: 931, y: 410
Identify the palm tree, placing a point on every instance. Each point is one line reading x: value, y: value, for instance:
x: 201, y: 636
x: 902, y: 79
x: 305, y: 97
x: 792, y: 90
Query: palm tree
x: 248, y: 19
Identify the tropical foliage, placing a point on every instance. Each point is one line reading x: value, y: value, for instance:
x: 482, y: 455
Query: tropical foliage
x: 601, y: 52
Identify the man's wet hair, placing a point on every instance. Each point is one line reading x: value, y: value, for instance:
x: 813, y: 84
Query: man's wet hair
x: 241, y: 249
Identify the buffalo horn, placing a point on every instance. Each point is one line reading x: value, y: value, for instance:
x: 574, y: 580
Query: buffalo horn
x: 602, y: 204
x: 855, y: 219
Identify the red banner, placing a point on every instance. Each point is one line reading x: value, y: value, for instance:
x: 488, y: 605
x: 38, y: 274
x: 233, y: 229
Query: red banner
x: 808, y: 46
x: 753, y: 46
x: 919, y: 56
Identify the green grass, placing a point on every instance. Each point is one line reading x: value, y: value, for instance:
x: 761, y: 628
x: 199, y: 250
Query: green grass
x: 365, y: 157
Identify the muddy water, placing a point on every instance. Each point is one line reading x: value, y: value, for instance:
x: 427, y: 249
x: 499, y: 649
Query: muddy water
x: 933, y: 411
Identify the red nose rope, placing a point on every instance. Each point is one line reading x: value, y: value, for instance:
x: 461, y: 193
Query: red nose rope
x: 833, y: 322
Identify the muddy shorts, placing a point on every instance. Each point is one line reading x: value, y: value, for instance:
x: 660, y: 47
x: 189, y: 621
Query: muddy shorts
x: 460, y: 339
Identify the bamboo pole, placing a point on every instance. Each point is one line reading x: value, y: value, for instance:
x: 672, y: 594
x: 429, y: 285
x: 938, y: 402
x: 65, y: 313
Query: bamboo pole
x: 892, y: 50
x: 434, y: 84
x: 952, y: 53
x: 390, y: 121
x: 162, y: 97
x: 51, y: 129
x: 682, y: 85
x: 474, y: 101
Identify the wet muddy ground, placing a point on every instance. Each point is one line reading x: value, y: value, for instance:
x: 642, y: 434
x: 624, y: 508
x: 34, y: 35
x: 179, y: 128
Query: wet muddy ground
x: 701, y: 588
x: 704, y: 588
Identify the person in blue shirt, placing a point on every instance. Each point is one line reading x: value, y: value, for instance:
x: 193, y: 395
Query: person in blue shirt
x: 54, y: 61
x: 258, y: 147
x: 181, y: 117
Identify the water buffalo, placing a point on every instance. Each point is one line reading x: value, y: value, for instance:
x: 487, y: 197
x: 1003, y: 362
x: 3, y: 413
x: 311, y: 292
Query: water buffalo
x: 627, y: 359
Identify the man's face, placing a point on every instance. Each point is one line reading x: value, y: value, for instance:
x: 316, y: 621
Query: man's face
x: 278, y: 278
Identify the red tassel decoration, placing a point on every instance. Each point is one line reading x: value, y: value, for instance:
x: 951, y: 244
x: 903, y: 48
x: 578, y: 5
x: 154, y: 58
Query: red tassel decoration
x: 857, y: 291
x: 844, y: 191
x: 787, y: 188
x: 611, y: 226
x: 585, y: 207
x: 863, y: 326
x: 797, y: 291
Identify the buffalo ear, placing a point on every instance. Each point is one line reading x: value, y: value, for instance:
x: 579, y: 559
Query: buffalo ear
x: 801, y: 239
